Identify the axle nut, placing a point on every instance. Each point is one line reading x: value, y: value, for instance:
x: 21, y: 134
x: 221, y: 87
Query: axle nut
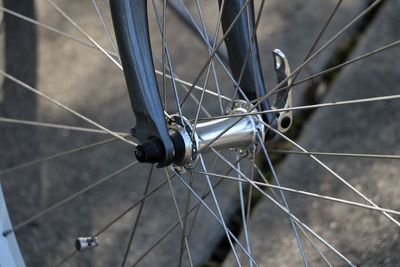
x: 151, y: 151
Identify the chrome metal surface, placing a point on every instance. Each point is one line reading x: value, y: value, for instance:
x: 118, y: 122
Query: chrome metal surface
x: 284, y: 98
x: 242, y: 133
x: 241, y: 136
x: 83, y: 243
x: 233, y: 132
x: 185, y: 132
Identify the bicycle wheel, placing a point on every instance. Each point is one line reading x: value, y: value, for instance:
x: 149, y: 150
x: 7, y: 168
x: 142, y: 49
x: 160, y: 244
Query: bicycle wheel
x: 64, y: 182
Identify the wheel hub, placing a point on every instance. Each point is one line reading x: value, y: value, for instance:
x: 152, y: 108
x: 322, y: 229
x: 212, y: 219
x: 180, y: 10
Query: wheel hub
x: 235, y: 133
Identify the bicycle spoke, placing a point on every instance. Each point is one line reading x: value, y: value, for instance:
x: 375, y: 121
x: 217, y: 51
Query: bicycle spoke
x: 113, y: 44
x: 346, y: 63
x: 154, y: 190
x: 136, y: 222
x: 337, y: 35
x: 276, y: 179
x: 305, y: 107
x: 339, y: 66
x: 215, y: 164
x: 334, y: 174
x: 185, y: 221
x: 204, y: 67
x: 55, y: 156
x: 67, y: 258
x: 59, y: 10
x: 298, y: 226
x: 249, y: 52
x: 209, y: 46
x: 211, y: 65
x: 163, y: 51
x: 158, y: 72
x: 284, y: 209
x: 250, y: 188
x: 108, y: 225
x: 184, y: 87
x: 180, y: 221
x: 195, y: 209
x: 199, y: 88
x: 322, y: 256
x: 163, y: 236
x: 217, y: 218
x: 57, y: 126
x: 217, y: 56
x: 305, y: 193
x: 316, y: 53
x: 52, y: 29
x: 166, y: 55
x: 332, y: 154
x: 308, y: 194
x: 271, y: 189
x: 183, y: 13
x: 266, y: 184
x: 172, y: 227
x: 68, y: 199
x: 70, y: 110
x: 321, y: 33
x: 244, y: 218
x: 219, y: 210
x: 217, y: 85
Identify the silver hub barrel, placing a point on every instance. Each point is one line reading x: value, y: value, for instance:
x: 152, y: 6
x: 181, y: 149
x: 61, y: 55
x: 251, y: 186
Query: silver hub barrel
x: 239, y: 132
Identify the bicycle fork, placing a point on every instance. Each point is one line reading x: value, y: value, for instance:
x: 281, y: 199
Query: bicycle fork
x: 172, y: 140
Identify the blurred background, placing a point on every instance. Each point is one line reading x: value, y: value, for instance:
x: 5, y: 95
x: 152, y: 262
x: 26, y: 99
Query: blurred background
x: 58, y: 60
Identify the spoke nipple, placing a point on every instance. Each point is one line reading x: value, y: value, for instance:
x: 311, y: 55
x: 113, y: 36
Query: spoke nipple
x: 82, y: 243
x: 6, y: 233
